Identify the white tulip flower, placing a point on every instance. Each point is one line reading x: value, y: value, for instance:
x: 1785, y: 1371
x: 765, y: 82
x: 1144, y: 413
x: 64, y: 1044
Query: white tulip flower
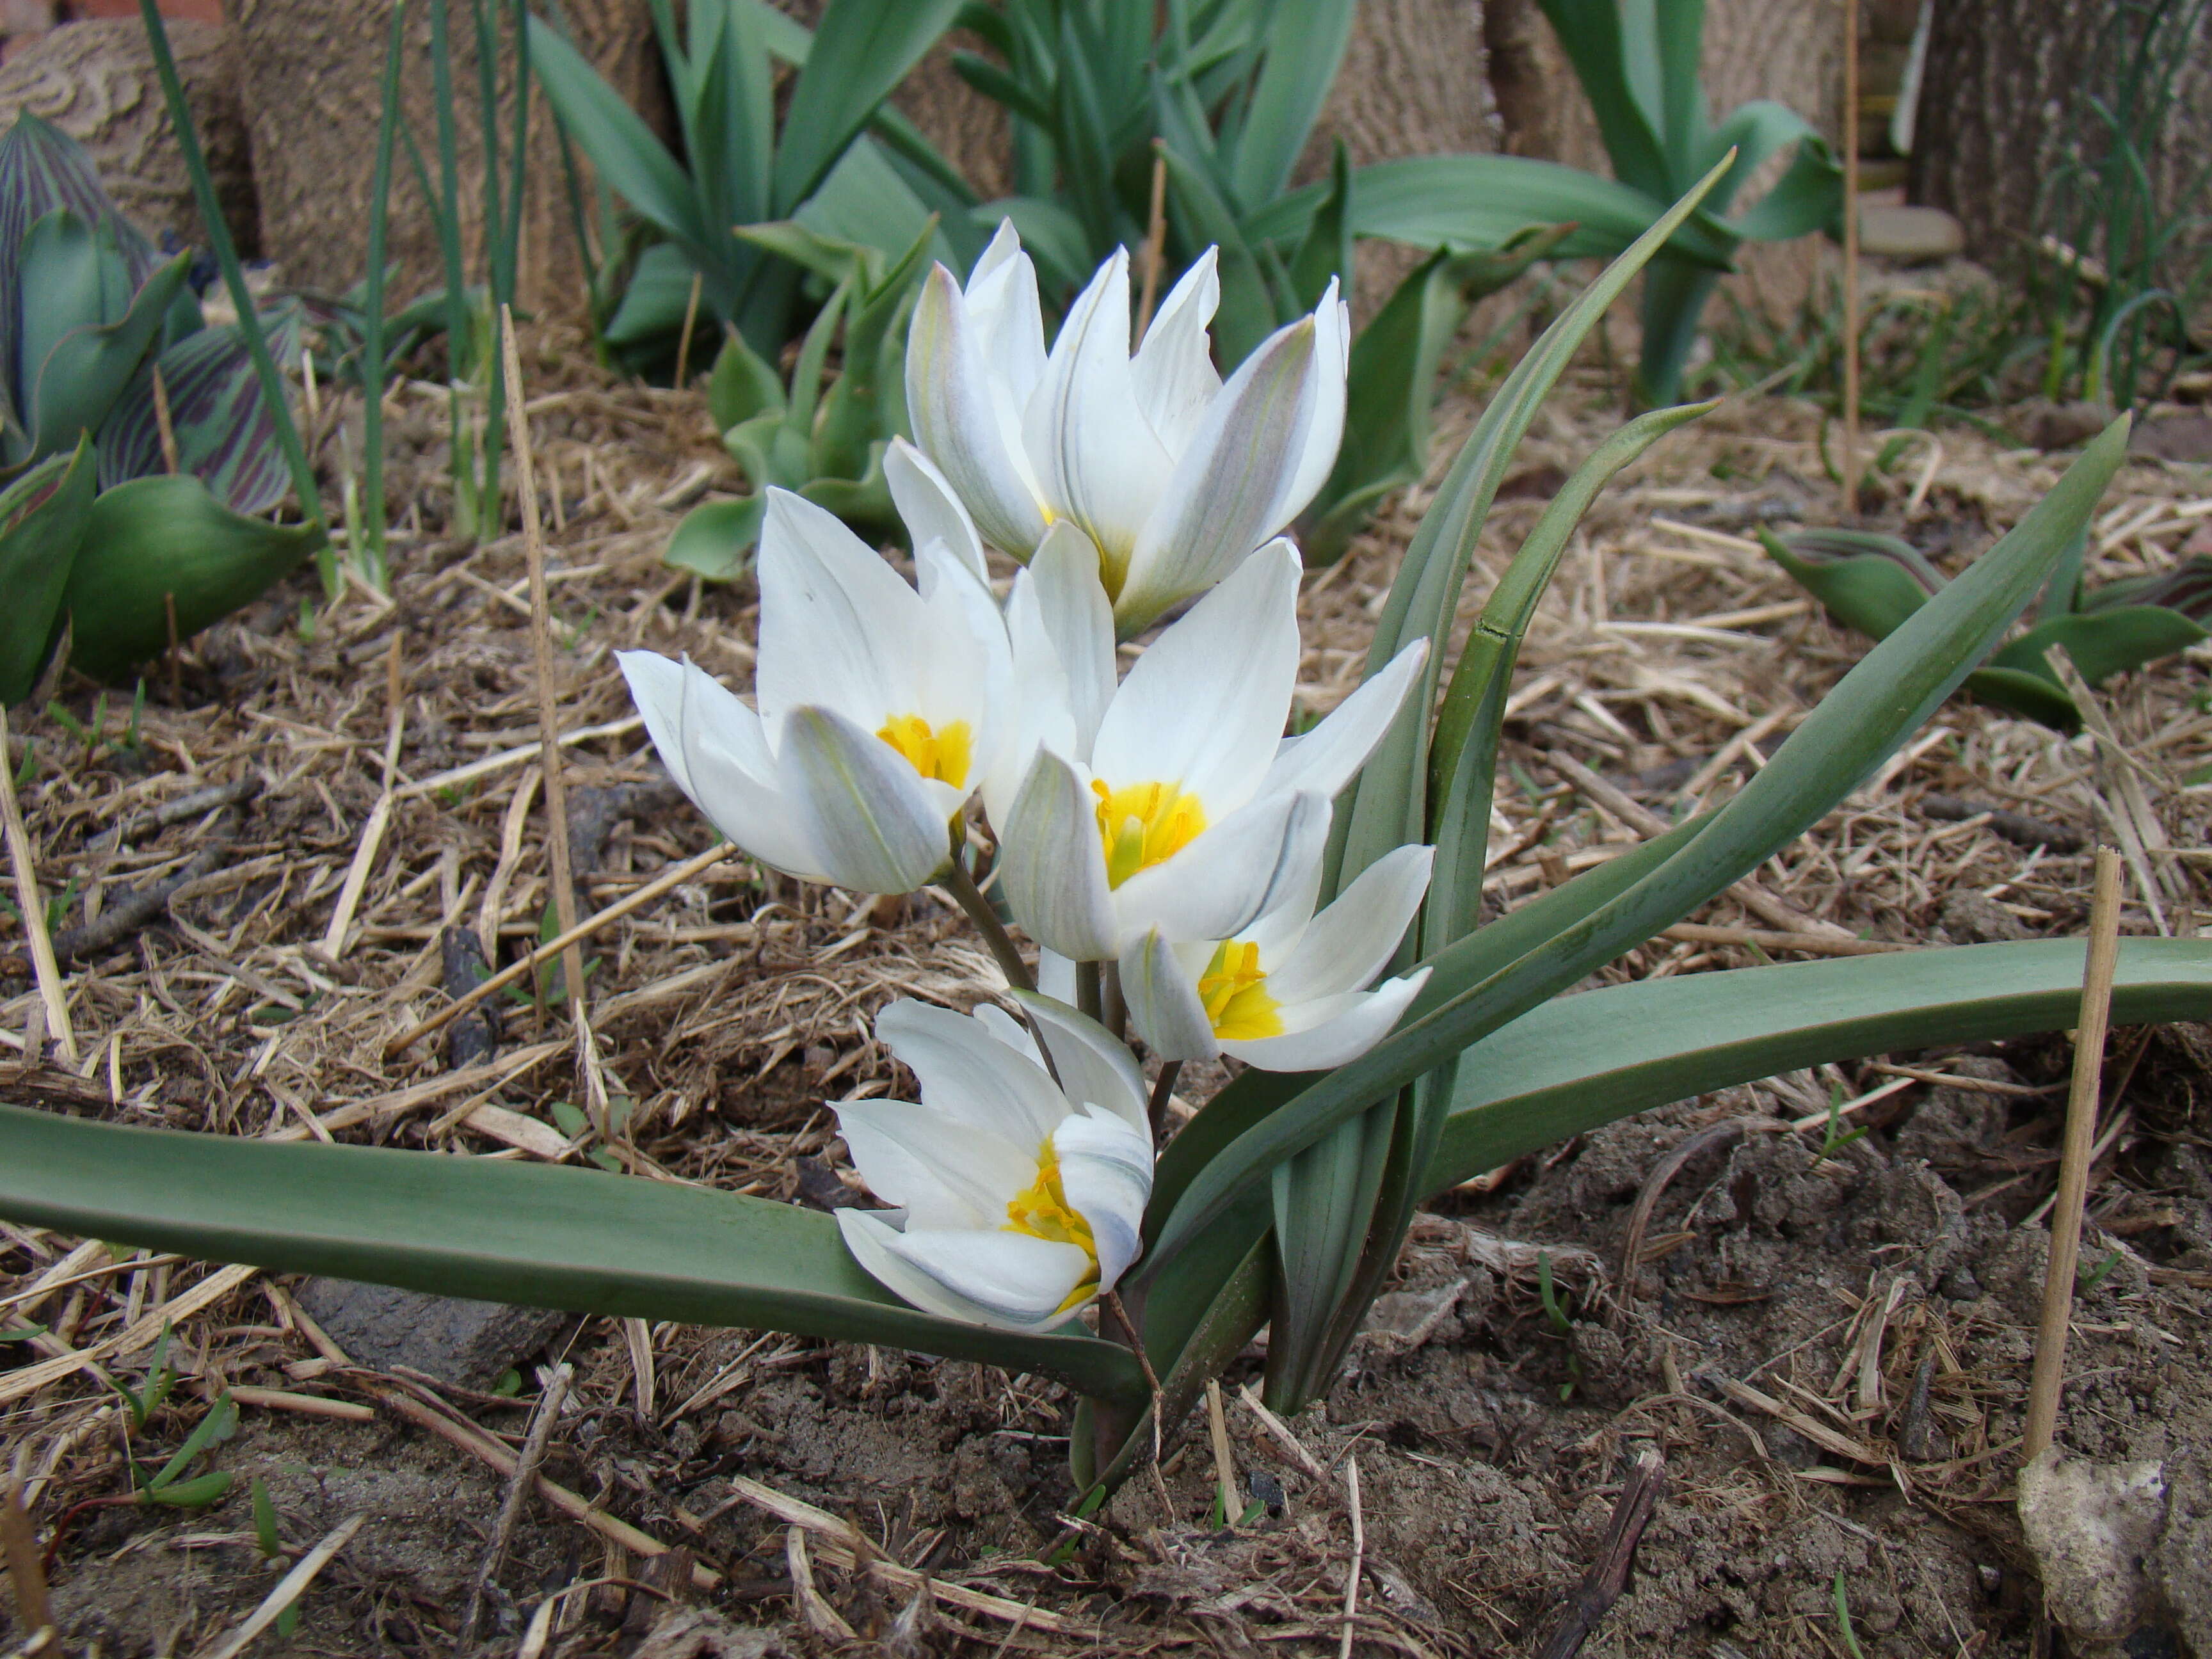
x: 1020, y: 1200
x: 1289, y: 993
x: 1174, y: 477
x: 881, y: 710
x: 1173, y: 801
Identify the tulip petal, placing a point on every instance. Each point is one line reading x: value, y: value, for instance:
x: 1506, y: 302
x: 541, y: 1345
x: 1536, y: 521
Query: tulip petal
x: 1354, y: 939
x: 1096, y: 1067
x: 1174, y: 368
x: 878, y: 826
x: 1002, y: 298
x: 1323, y: 423
x: 930, y: 509
x: 881, y: 1252
x: 714, y: 748
x: 1095, y: 457
x: 1229, y: 877
x: 1106, y: 1171
x: 1164, y: 1004
x: 1052, y: 867
x: 1204, y: 707
x: 1012, y: 1279
x: 942, y: 1169
x: 1325, y: 758
x: 1224, y: 497
x: 1342, y: 1028
x: 964, y: 419
x: 1078, y: 618
x: 838, y: 625
x: 971, y: 1076
x: 963, y: 668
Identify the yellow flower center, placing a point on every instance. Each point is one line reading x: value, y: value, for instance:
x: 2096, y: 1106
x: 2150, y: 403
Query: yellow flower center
x: 944, y: 756
x: 1142, y: 824
x: 1042, y: 1211
x: 1233, y: 988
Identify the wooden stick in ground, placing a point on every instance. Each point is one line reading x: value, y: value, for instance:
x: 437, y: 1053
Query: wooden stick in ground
x: 1602, y: 1585
x: 554, y: 947
x: 541, y: 641
x: 43, y: 965
x: 1155, y: 239
x: 2050, y: 1374
x: 1850, y: 259
x: 1358, y: 1555
x: 19, y: 1543
x: 519, y: 1485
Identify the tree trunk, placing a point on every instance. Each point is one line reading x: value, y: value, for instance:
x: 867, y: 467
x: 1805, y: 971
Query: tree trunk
x: 2004, y: 109
x: 312, y: 90
x: 95, y: 82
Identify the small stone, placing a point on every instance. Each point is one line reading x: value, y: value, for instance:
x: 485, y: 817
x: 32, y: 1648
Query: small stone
x: 1911, y: 235
x: 1960, y: 1285
x: 2090, y: 1525
x: 463, y: 1343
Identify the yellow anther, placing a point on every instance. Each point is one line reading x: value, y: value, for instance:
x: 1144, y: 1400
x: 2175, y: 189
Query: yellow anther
x: 1042, y: 1211
x: 1233, y: 988
x: 944, y: 754
x: 1142, y: 824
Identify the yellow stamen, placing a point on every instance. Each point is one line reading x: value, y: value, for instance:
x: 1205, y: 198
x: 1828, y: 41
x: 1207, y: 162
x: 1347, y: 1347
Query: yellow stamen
x: 1233, y: 987
x: 1142, y: 824
x: 1042, y: 1211
x: 944, y: 754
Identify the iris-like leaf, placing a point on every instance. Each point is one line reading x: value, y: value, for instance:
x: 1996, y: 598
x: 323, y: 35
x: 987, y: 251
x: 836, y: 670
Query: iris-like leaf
x: 540, y: 1235
x: 861, y: 50
x: 153, y: 543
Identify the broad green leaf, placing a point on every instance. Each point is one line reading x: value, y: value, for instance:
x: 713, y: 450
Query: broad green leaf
x: 1620, y: 76
x: 742, y: 384
x: 716, y: 540
x: 42, y: 520
x: 1809, y: 194
x: 1883, y: 699
x: 225, y: 434
x: 1470, y: 202
x: 1304, y: 49
x: 1670, y: 309
x: 862, y: 49
x: 2032, y: 697
x: 85, y: 330
x: 1872, y: 591
x: 1325, y: 252
x: 1051, y: 236
x: 867, y: 201
x: 635, y: 164
x: 540, y: 1235
x: 154, y: 541
x: 654, y: 300
x: 1579, y: 1061
x: 1324, y: 1204
x: 1247, y: 312
x: 2103, y: 642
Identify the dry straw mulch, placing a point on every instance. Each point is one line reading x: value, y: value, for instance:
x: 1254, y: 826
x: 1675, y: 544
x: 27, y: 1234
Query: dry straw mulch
x: 317, y: 806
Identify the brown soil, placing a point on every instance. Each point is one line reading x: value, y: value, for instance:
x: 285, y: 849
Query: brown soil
x: 1882, y: 1296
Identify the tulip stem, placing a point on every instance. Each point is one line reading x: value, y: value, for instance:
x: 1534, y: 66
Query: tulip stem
x: 1089, y: 994
x: 1115, y: 1010
x: 1163, y: 1092
x: 1003, y: 951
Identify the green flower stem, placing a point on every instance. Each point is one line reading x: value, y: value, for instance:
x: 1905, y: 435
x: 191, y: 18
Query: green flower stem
x: 962, y: 885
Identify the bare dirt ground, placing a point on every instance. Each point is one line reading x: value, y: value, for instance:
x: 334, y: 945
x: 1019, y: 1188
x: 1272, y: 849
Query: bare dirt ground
x: 1829, y: 1350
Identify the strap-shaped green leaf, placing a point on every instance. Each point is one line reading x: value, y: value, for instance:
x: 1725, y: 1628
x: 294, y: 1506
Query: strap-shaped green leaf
x: 540, y: 1235
x: 1304, y: 46
x: 1387, y: 807
x: 1579, y: 1061
x: 635, y: 164
x: 861, y: 50
x: 1595, y: 35
x: 1887, y: 697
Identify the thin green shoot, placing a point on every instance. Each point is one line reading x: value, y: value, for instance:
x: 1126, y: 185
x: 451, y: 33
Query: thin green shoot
x: 366, y: 527
x: 270, y: 1541
x: 1555, y: 1312
x: 28, y: 770
x: 2087, y: 1277
x: 25, y: 1334
x: 145, y: 1401
x: 1844, y: 1619
x: 234, y: 279
x: 1834, y: 1136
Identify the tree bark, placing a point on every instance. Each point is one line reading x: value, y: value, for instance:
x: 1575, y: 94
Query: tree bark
x: 2001, y: 105
x: 95, y: 82
x: 310, y: 83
